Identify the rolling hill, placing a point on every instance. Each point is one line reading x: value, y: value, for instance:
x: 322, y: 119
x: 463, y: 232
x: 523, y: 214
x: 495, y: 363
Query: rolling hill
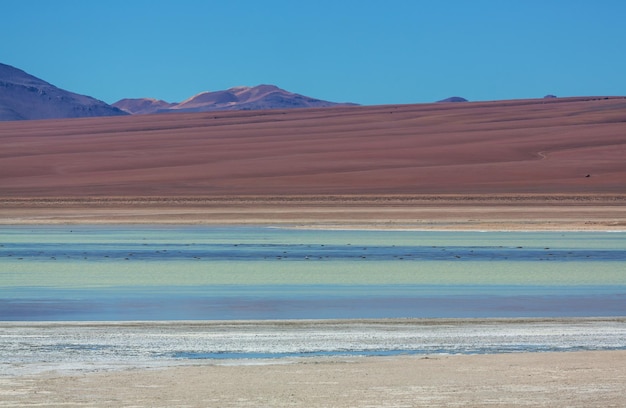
x: 543, y: 146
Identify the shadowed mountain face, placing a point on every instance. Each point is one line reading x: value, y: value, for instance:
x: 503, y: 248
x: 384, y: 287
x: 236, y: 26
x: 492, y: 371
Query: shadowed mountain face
x: 454, y: 99
x: 23, y: 97
x: 238, y: 98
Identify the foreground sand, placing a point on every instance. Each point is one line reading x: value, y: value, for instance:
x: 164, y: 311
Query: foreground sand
x: 572, y: 379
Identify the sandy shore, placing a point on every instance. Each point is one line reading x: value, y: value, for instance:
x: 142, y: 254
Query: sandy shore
x: 573, y: 379
x: 455, y: 212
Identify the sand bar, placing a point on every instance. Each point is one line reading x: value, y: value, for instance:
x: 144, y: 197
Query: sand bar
x: 427, y: 212
x: 572, y: 379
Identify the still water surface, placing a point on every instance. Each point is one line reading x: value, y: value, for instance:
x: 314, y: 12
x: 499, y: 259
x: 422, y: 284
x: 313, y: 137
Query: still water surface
x: 128, y: 273
x: 108, y: 297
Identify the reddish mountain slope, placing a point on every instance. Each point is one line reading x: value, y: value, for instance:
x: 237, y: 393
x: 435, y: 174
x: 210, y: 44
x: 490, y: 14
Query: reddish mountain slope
x: 564, y: 145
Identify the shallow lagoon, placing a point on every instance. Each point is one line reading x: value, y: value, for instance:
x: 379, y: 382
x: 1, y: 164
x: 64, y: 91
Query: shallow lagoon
x: 124, y: 273
x: 106, y: 297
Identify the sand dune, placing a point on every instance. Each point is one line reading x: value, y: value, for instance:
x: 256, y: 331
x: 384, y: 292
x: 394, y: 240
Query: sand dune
x: 527, y: 146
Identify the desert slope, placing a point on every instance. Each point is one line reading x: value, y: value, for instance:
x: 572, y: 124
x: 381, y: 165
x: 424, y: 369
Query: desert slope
x: 561, y: 146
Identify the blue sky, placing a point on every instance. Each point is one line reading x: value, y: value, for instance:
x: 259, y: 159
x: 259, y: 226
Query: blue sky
x: 368, y: 52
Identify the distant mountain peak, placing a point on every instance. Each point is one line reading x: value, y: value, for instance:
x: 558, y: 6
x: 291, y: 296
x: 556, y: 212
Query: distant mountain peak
x: 453, y: 99
x: 141, y: 105
x: 262, y: 96
x: 24, y: 96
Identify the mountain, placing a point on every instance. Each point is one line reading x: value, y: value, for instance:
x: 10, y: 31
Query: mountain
x: 454, y: 99
x: 23, y: 97
x: 237, y: 98
x: 140, y: 106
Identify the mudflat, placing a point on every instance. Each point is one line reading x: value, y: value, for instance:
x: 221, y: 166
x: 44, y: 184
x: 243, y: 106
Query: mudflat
x: 567, y: 379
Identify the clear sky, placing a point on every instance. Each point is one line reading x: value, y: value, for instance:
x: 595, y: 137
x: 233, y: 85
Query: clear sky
x: 367, y: 52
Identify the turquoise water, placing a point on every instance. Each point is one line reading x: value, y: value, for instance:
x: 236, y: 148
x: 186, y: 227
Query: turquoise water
x: 107, y: 297
x: 124, y: 273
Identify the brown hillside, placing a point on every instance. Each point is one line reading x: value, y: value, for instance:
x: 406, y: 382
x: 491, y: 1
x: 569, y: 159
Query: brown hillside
x: 557, y: 146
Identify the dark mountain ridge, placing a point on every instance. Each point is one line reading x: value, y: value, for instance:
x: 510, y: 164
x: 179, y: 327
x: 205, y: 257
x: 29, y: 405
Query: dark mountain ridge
x: 24, y: 97
x: 453, y: 99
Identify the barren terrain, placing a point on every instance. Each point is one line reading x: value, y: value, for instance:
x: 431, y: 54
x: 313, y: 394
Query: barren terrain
x: 428, y: 165
x: 579, y: 379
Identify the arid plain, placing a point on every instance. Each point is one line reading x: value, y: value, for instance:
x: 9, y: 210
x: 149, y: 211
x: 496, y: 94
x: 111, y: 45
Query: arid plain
x: 542, y: 164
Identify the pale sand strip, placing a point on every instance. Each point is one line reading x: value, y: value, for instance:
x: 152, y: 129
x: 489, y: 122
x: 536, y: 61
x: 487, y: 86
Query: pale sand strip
x: 573, y: 379
x: 463, y: 212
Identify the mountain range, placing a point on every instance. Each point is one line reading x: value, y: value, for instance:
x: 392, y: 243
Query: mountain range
x: 24, y: 97
x: 237, y: 98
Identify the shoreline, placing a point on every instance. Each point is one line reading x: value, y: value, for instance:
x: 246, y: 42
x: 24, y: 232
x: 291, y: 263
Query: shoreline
x: 427, y: 321
x: 76, y: 347
x: 437, y: 212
